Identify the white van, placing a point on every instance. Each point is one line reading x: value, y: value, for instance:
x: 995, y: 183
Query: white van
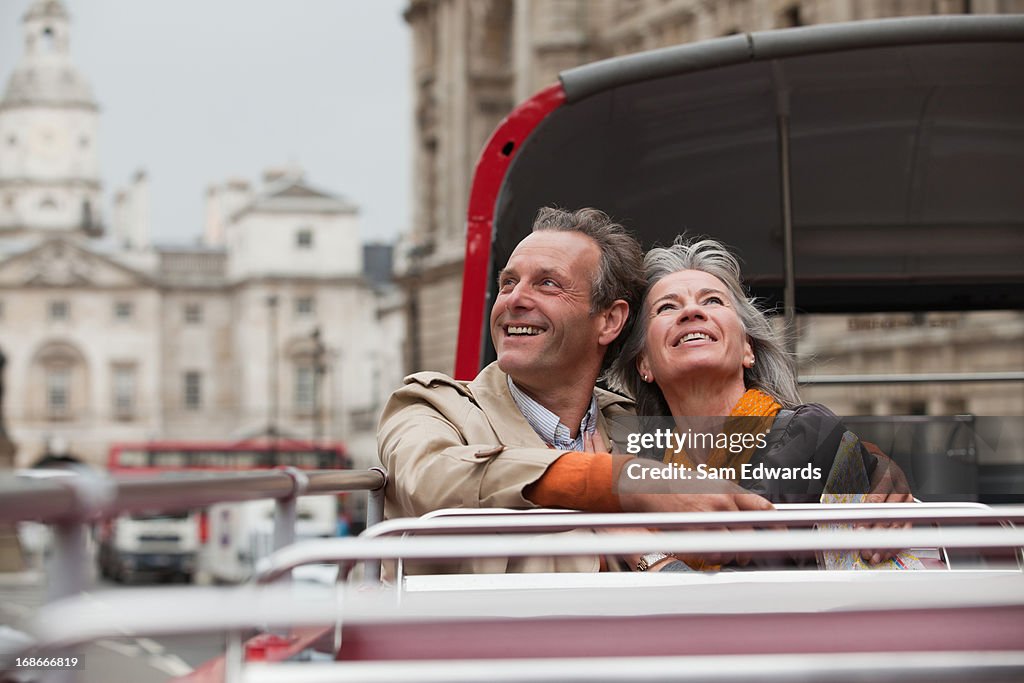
x: 240, y: 534
x: 165, y: 545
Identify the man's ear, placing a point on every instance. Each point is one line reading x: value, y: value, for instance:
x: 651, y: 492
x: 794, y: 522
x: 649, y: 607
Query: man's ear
x: 613, y: 319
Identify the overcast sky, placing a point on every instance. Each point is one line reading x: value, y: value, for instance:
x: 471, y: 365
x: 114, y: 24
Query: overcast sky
x: 196, y: 91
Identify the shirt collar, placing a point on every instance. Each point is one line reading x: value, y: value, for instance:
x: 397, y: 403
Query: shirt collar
x: 548, y: 426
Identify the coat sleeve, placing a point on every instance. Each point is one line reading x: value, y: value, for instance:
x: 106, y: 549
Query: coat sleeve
x: 440, y: 452
x: 813, y: 435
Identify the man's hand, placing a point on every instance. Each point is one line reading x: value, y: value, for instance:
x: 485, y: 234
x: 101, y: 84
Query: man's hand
x: 685, y: 495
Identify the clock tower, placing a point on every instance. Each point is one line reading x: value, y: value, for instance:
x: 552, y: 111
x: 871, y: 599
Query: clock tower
x: 49, y: 167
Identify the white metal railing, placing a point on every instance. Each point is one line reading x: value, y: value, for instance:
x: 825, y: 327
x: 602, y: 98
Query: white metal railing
x: 77, y: 620
x: 761, y: 543
x: 910, y: 667
x: 71, y: 503
x: 915, y: 378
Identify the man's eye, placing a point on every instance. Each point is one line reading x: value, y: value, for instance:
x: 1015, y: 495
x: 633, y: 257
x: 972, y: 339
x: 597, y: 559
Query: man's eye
x: 507, y: 283
x: 548, y: 282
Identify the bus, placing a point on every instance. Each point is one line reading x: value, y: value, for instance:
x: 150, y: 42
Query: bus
x: 168, y: 456
x: 870, y: 169
x: 224, y: 542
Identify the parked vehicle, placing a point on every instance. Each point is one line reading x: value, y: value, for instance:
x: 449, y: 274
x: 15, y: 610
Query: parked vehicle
x: 226, y: 540
x: 164, y: 545
x: 241, y: 534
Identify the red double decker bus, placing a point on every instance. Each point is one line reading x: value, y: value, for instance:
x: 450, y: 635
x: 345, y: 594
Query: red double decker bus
x: 254, y: 454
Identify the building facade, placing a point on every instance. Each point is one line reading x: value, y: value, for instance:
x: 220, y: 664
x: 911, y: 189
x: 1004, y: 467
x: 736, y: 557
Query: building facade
x: 476, y: 59
x: 268, y: 327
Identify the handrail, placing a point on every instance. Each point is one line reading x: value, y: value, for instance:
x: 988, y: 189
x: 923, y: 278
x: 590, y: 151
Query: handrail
x: 73, y: 501
x: 87, y: 497
x: 755, y: 543
x: 910, y: 667
x: 913, y: 378
x: 509, y: 521
x: 177, y: 610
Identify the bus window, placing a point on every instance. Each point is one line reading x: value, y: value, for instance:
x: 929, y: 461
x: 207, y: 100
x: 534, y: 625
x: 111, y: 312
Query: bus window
x: 132, y: 458
x: 171, y: 459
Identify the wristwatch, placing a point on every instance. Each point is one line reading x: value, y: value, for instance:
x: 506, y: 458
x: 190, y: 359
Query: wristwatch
x: 649, y: 560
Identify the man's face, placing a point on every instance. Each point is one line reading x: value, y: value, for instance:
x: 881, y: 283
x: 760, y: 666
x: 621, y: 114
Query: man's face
x: 541, y: 323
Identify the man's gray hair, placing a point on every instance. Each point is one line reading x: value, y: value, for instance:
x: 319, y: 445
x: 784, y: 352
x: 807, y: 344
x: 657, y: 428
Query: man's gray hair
x: 619, y: 273
x: 774, y: 371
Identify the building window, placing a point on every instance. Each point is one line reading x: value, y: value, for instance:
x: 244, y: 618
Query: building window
x: 59, y: 311
x: 791, y: 16
x: 193, y: 390
x: 193, y: 314
x: 304, y: 305
x: 304, y: 238
x: 58, y: 393
x: 305, y: 388
x: 124, y: 392
x: 48, y: 203
x: 123, y: 310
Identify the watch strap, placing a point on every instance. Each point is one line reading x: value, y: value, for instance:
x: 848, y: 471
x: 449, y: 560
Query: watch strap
x: 649, y: 560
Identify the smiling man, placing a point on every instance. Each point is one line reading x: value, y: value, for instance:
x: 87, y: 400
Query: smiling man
x: 532, y: 429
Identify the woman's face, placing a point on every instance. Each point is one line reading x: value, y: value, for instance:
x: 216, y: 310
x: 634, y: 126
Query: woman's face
x: 693, y: 327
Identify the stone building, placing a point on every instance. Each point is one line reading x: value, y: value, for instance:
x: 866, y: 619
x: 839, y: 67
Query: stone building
x: 269, y: 325
x: 476, y: 59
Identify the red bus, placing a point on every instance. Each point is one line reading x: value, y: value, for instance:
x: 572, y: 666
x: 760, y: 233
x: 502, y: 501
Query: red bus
x: 162, y: 456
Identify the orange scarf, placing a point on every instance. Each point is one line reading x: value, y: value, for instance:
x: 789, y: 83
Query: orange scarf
x: 753, y: 404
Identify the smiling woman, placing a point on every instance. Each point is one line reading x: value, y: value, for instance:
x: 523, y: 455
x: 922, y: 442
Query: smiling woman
x: 704, y: 354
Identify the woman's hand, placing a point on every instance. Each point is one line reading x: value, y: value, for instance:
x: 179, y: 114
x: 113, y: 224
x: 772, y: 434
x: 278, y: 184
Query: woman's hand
x: 888, y: 485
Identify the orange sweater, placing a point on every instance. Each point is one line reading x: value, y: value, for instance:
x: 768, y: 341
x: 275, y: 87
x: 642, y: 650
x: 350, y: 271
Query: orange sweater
x: 580, y: 481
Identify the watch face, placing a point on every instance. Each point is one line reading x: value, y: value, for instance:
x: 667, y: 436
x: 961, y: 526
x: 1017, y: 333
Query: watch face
x: 48, y: 141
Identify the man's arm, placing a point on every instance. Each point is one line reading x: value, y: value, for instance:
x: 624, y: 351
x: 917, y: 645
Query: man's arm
x: 440, y: 452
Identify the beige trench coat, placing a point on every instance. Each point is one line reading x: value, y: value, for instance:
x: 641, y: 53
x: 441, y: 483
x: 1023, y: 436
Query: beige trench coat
x: 452, y: 444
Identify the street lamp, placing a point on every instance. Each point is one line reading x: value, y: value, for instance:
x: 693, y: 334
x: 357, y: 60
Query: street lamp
x: 272, y: 367
x: 319, y: 370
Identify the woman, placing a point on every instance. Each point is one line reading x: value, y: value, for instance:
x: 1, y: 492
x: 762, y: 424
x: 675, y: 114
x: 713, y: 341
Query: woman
x: 700, y: 349
x: 701, y: 352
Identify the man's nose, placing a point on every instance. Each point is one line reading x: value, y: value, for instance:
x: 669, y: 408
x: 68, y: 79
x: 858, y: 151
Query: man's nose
x: 519, y: 297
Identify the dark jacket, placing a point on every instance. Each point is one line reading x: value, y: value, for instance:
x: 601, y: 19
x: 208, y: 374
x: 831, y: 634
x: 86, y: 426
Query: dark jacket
x: 810, y: 434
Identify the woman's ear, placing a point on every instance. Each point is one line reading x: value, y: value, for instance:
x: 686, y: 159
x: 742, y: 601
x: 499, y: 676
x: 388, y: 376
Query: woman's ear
x: 644, y: 368
x: 748, y: 354
x: 614, y: 319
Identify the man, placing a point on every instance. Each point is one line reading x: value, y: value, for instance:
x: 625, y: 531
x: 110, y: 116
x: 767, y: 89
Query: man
x: 532, y: 430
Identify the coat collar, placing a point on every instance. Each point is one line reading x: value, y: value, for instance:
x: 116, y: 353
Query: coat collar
x: 490, y: 390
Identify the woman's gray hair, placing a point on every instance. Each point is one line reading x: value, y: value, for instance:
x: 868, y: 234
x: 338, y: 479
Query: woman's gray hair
x: 774, y: 372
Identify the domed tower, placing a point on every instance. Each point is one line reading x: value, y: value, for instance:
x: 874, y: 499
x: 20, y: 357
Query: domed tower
x: 49, y: 120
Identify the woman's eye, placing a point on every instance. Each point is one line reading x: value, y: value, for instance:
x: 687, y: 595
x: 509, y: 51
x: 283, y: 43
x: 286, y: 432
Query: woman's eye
x: 664, y: 307
x: 713, y: 300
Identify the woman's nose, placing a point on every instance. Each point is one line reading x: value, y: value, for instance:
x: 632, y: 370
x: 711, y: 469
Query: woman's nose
x: 691, y: 311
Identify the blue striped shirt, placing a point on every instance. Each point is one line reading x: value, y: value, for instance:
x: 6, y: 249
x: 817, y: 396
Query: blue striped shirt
x: 548, y: 426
